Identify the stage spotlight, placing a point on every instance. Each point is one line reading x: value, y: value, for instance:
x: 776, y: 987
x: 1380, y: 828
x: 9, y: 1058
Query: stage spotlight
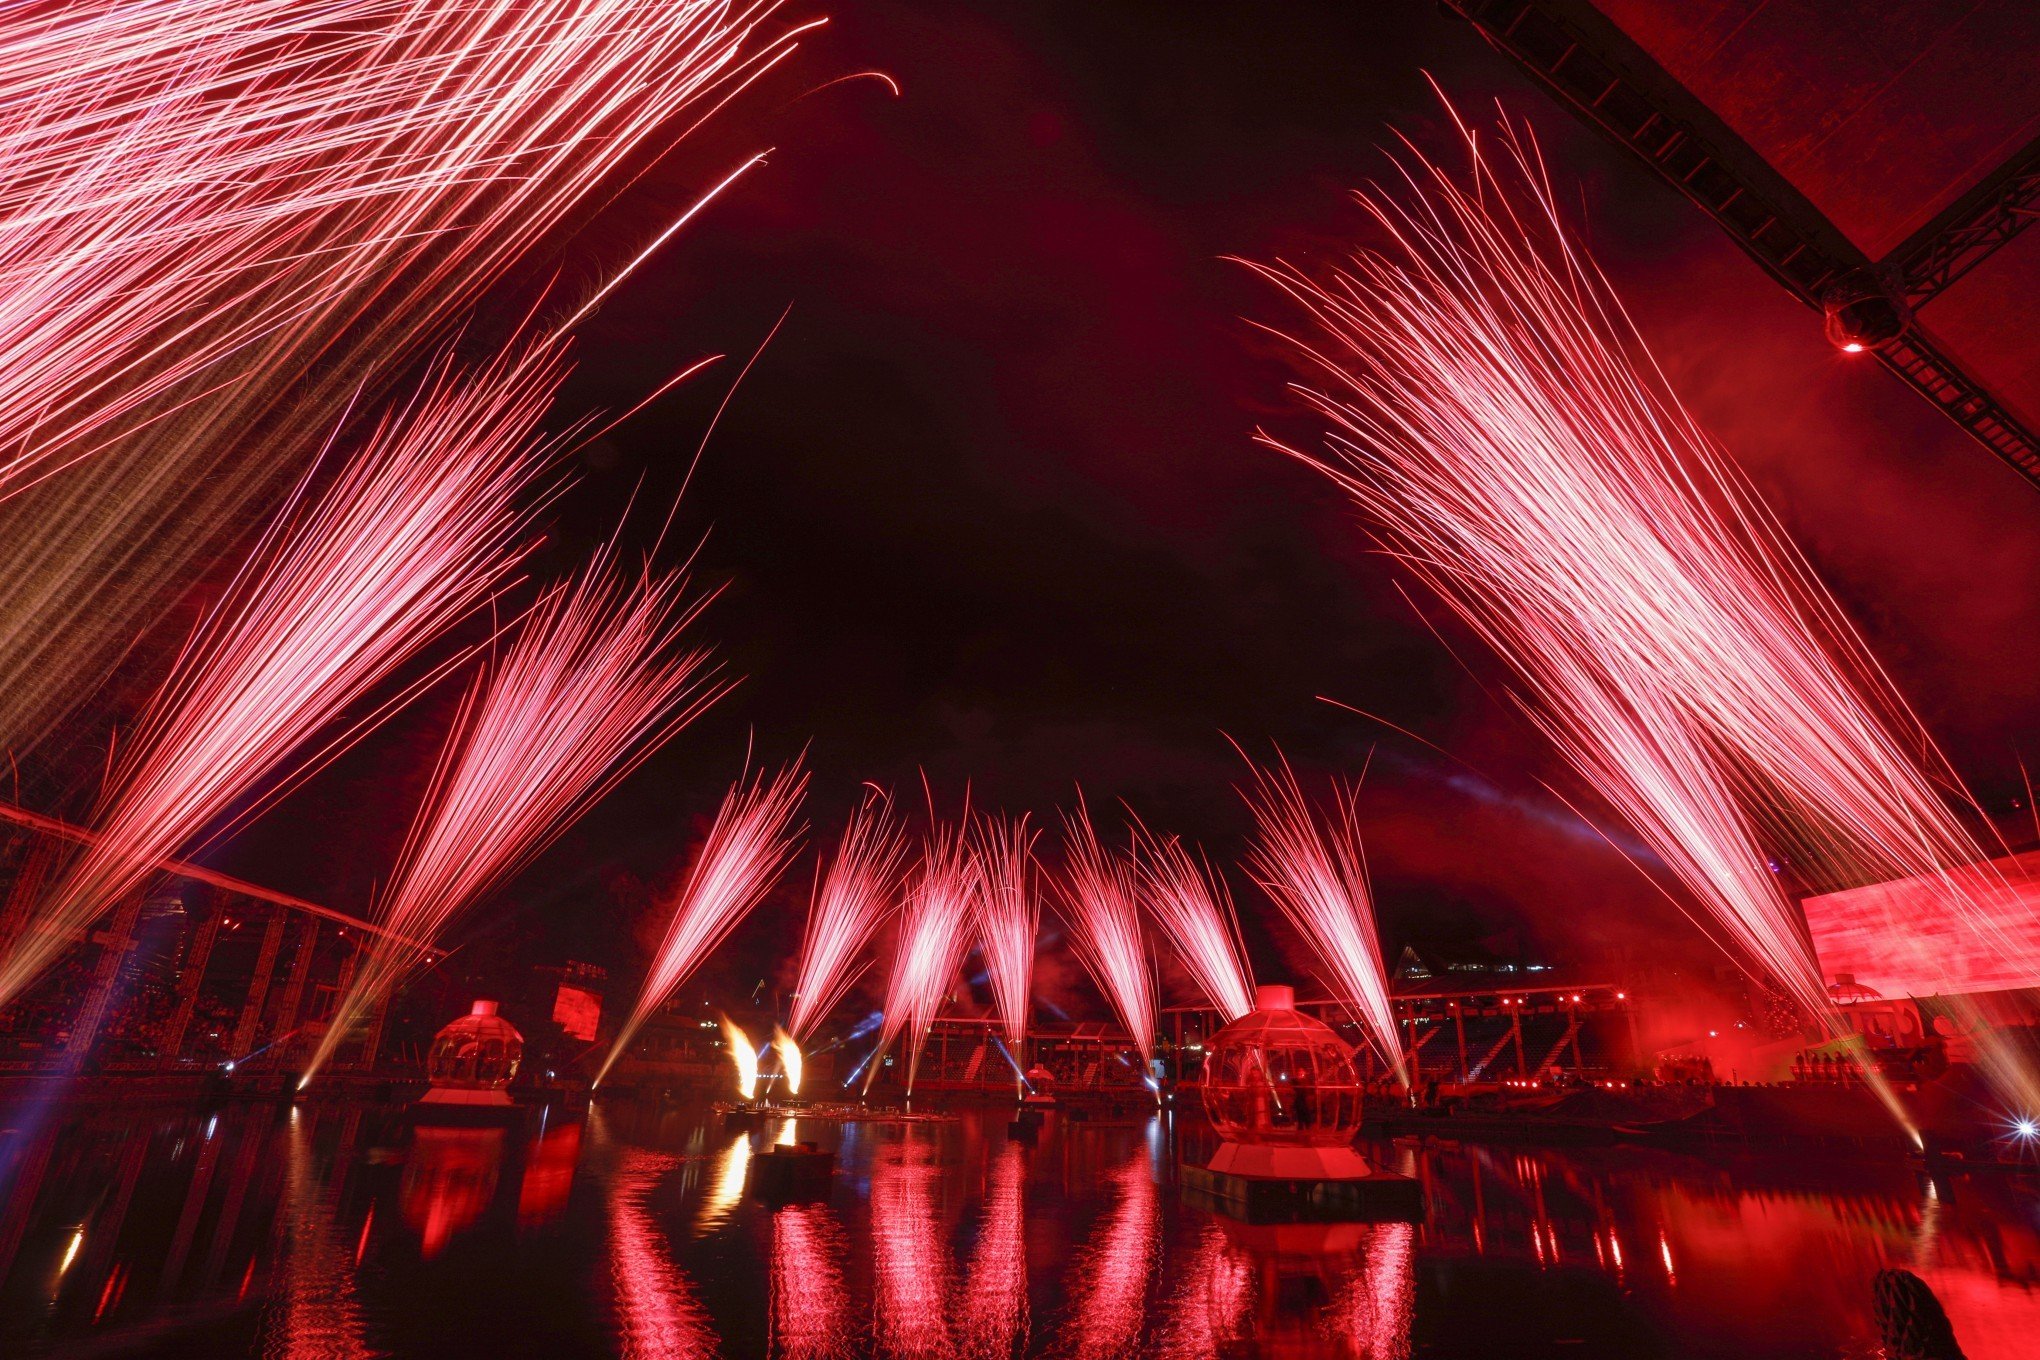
x: 2026, y: 1129
x: 1860, y: 312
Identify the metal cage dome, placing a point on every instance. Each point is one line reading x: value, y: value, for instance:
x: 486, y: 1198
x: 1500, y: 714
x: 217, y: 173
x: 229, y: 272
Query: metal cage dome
x: 479, y: 1051
x: 1278, y: 1077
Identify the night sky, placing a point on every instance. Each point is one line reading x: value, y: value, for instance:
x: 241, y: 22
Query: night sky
x: 987, y: 508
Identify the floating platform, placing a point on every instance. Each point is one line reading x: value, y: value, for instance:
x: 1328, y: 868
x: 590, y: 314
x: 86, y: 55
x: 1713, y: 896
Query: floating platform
x: 786, y: 1175
x: 1382, y: 1197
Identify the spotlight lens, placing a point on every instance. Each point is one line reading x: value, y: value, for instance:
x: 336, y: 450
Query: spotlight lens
x: 2026, y: 1128
x: 1852, y: 348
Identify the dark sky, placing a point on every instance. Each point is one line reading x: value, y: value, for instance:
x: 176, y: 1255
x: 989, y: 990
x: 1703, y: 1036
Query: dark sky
x: 987, y: 507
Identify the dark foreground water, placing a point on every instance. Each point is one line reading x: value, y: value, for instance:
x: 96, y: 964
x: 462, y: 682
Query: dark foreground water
x: 332, y: 1232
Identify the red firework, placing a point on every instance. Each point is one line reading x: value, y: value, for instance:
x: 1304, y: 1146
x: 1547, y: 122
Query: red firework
x: 1100, y: 901
x: 1008, y: 920
x: 748, y: 846
x: 1315, y: 869
x: 856, y: 896
x: 593, y: 684
x: 416, y: 532
x: 1191, y: 903
x: 1495, y: 411
x: 201, y: 193
x: 934, y: 937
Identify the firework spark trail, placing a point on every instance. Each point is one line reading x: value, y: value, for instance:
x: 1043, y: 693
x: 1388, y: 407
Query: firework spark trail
x: 220, y: 222
x: 415, y: 532
x: 593, y: 684
x: 811, y: 1312
x: 854, y: 897
x: 1315, y: 869
x: 747, y: 847
x: 217, y: 171
x: 1008, y: 919
x: 1496, y: 411
x: 934, y: 937
x: 991, y: 1316
x: 1100, y: 900
x: 1195, y: 911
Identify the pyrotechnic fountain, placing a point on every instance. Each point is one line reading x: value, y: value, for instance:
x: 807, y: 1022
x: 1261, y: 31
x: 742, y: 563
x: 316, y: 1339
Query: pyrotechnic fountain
x: 1195, y: 911
x: 591, y: 687
x: 748, y: 845
x: 1100, y: 900
x: 1316, y: 871
x: 1495, y: 411
x: 233, y: 225
x: 934, y: 937
x: 1008, y: 921
x: 415, y: 533
x: 857, y: 895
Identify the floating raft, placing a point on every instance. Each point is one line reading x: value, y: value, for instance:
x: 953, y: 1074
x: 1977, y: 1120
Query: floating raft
x: 784, y: 1175
x: 737, y: 1115
x: 1383, y: 1197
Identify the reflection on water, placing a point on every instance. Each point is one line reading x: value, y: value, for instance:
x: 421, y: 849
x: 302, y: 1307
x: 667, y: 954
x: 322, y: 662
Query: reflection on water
x: 313, y: 1314
x: 333, y: 1232
x: 992, y: 1312
x: 450, y: 1178
x: 909, y: 1248
x: 811, y: 1317
x: 1108, y: 1283
x: 657, y: 1317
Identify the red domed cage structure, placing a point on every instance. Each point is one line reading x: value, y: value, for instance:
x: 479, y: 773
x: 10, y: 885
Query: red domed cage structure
x: 473, y: 1059
x: 1284, y: 1095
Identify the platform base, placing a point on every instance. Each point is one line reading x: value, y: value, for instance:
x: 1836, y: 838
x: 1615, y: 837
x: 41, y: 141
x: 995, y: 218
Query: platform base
x: 784, y: 1175
x: 1380, y: 1197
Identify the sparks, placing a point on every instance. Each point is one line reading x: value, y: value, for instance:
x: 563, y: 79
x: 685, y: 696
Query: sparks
x: 856, y: 896
x: 418, y: 529
x: 594, y: 683
x: 747, y: 847
x: 1495, y: 411
x: 1008, y: 919
x: 223, y: 221
x: 934, y: 937
x: 1195, y: 911
x: 1101, y: 902
x: 1315, y: 868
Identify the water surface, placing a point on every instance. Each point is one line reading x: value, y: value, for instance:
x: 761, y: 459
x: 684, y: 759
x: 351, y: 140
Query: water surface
x: 324, y: 1232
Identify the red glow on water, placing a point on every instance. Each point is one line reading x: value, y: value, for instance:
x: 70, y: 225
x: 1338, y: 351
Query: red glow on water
x: 811, y: 1317
x: 910, y: 1263
x: 1111, y: 1275
x: 549, y: 1175
x: 1212, y: 1307
x: 992, y: 1316
x: 657, y: 1314
x: 450, y: 1179
x: 1375, y: 1311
